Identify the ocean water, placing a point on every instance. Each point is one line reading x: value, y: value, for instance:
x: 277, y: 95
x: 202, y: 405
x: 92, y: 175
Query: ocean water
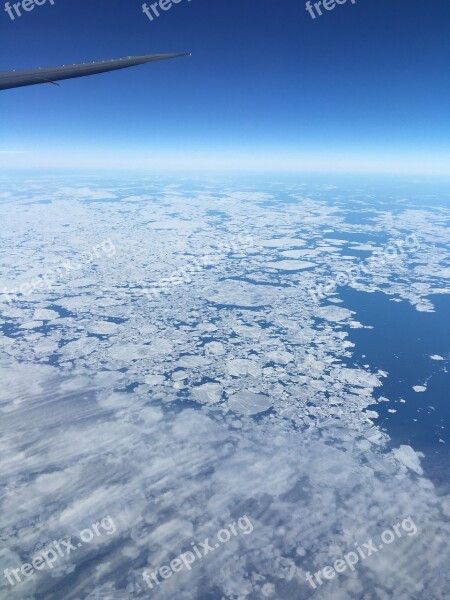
x: 402, y: 343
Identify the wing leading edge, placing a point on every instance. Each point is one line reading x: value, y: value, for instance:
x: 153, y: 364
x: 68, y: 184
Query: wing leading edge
x: 15, y: 79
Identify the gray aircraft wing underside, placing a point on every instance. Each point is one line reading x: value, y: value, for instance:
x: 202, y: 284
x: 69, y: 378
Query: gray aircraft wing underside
x: 13, y: 79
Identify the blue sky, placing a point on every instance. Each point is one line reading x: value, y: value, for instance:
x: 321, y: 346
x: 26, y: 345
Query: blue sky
x: 364, y: 87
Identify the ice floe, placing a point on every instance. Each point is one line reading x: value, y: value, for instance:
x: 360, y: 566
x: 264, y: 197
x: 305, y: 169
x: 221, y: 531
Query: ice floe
x: 249, y: 403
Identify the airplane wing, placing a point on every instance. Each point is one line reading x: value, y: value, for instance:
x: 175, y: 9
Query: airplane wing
x: 15, y: 79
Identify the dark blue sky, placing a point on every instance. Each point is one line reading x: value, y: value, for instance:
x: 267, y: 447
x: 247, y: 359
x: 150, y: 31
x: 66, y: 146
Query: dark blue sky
x: 363, y: 86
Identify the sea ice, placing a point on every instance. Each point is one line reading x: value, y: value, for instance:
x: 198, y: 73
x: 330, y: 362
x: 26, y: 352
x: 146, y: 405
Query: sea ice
x: 249, y: 403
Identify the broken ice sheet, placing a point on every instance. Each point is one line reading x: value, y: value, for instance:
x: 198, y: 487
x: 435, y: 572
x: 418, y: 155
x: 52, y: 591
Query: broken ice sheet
x: 208, y: 393
x: 411, y: 459
x: 291, y: 265
x: 334, y: 313
x: 240, y: 293
x: 249, y: 403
